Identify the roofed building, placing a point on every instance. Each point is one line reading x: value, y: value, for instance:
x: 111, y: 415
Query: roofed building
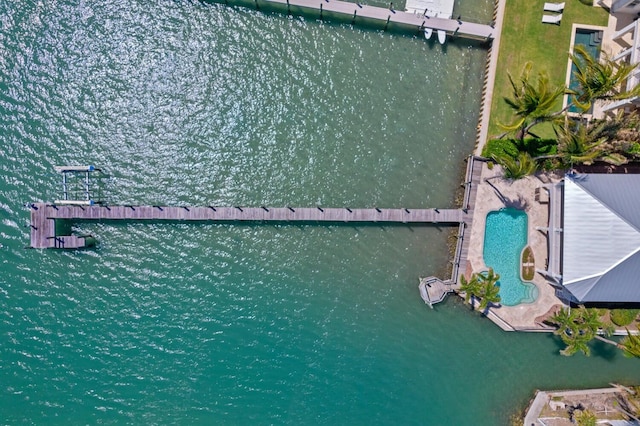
x: 600, y: 239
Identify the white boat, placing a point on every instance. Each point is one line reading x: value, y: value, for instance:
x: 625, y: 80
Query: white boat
x: 427, y: 33
x: 442, y: 36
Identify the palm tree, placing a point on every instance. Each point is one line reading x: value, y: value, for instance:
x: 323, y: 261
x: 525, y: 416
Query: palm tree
x: 490, y: 295
x: 470, y: 288
x: 584, y: 143
x: 575, y: 343
x: 517, y: 168
x: 599, y: 80
x: 579, y: 143
x: 565, y: 320
x: 578, y: 327
x: 631, y: 345
x: 489, y: 290
x: 532, y: 103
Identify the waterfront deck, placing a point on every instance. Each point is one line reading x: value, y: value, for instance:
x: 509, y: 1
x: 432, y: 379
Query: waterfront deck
x: 432, y: 289
x: 355, y: 11
x: 43, y: 217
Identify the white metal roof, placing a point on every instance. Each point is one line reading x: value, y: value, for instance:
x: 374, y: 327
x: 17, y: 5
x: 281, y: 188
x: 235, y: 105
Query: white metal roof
x: 601, y: 248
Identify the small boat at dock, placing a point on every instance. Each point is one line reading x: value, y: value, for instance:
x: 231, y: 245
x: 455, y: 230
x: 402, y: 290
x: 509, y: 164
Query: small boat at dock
x: 442, y: 36
x: 427, y: 33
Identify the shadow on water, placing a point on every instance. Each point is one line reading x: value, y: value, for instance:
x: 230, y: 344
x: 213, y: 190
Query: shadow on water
x: 604, y: 350
x: 599, y: 349
x: 556, y: 342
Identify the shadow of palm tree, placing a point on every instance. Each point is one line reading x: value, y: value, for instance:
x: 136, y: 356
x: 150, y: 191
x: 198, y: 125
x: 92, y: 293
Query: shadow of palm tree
x: 519, y: 203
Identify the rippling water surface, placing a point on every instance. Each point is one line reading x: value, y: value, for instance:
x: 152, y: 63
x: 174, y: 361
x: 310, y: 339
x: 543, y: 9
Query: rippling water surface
x: 194, y: 103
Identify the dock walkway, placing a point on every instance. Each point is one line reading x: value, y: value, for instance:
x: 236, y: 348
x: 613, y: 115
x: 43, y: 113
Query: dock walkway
x: 43, y: 217
x: 452, y: 27
x: 433, y: 289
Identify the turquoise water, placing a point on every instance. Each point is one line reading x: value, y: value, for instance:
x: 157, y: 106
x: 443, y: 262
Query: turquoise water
x: 193, y: 103
x: 583, y: 37
x: 505, y: 237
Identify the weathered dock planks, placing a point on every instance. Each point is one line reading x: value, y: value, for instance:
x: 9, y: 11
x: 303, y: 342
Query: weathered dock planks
x: 43, y: 217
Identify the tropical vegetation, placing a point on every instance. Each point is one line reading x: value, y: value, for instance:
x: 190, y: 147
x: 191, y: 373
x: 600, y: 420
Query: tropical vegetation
x: 577, y: 327
x: 533, y: 101
x: 482, y: 286
x: 599, y: 80
x: 623, y: 317
x: 525, y: 39
x: 586, y: 418
x: 631, y: 345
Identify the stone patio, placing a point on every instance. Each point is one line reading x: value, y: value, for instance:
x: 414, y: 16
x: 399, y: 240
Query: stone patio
x: 495, y: 193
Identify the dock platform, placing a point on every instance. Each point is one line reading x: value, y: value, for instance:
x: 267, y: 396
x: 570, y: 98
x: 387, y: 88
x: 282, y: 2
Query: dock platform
x: 433, y: 290
x: 417, y: 19
x: 44, y: 216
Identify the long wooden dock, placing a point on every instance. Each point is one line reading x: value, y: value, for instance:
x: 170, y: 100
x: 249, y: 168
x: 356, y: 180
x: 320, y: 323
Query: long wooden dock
x: 355, y: 11
x: 44, y: 217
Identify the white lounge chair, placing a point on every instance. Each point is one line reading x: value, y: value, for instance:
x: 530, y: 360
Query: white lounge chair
x: 551, y: 19
x: 554, y: 7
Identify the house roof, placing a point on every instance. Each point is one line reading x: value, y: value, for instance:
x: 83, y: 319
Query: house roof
x: 601, y: 248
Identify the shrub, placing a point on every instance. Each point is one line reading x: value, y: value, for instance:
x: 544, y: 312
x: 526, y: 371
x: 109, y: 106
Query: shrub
x: 622, y: 317
x: 540, y: 147
x: 634, y: 149
x: 535, y: 147
x: 500, y: 148
x: 586, y: 418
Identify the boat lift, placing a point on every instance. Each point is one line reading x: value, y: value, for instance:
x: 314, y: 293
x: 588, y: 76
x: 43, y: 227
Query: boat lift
x: 76, y: 170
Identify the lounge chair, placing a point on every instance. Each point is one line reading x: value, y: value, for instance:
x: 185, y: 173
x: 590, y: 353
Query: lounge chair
x: 554, y: 7
x: 551, y: 19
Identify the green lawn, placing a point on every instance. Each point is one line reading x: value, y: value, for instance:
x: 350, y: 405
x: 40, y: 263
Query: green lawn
x: 526, y: 38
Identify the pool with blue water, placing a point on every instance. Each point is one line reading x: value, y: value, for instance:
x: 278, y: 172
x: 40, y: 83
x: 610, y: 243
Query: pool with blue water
x: 504, y: 239
x: 591, y: 41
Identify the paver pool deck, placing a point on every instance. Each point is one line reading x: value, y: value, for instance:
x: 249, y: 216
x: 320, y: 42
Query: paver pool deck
x: 495, y: 193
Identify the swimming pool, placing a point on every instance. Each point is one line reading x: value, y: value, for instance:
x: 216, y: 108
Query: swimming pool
x: 591, y: 40
x: 505, y: 237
